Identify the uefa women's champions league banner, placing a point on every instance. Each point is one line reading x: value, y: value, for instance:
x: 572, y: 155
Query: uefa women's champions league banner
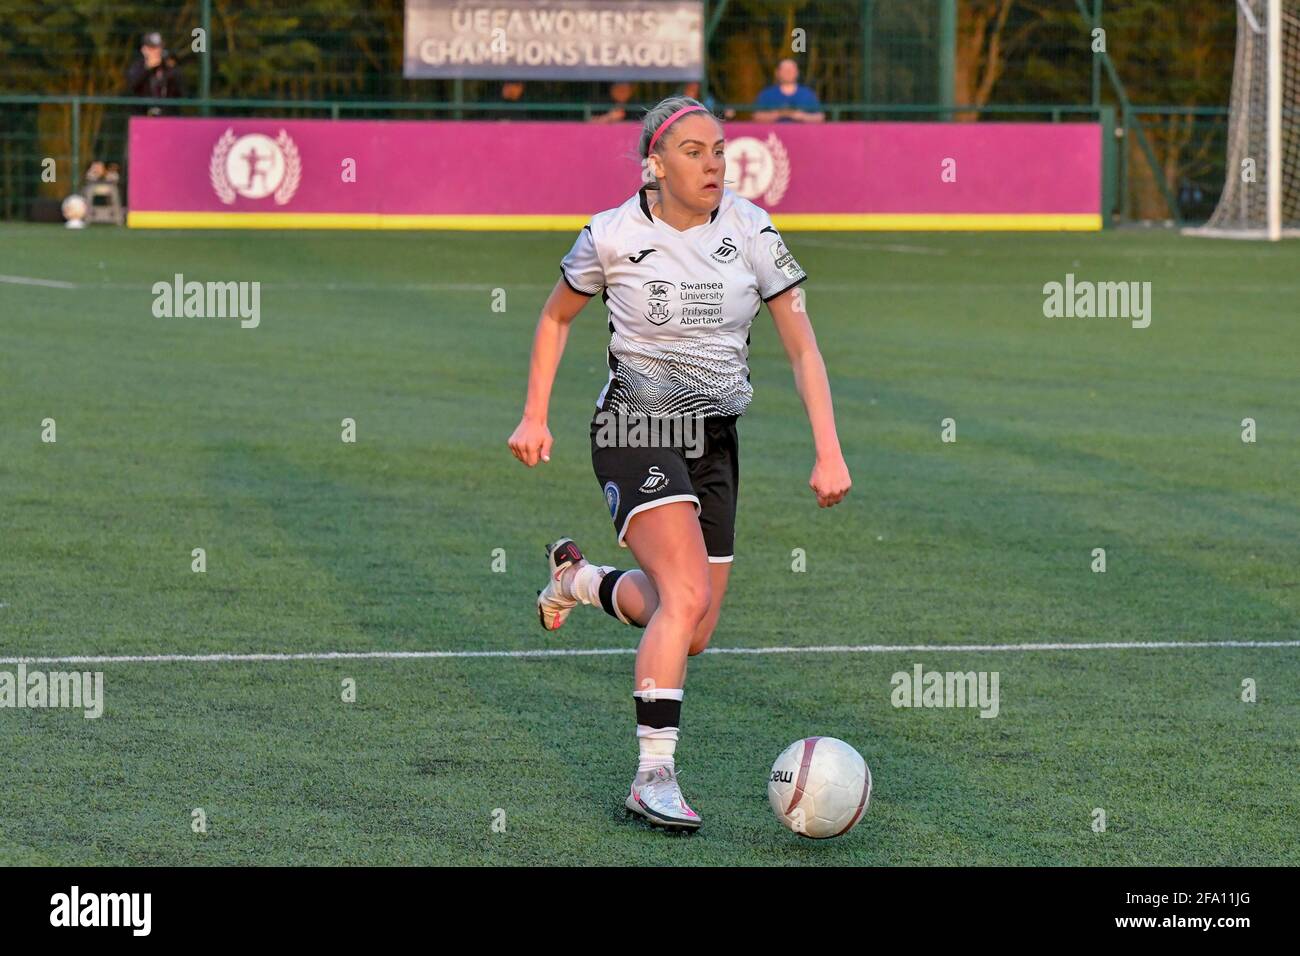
x: 554, y: 39
x: 372, y: 174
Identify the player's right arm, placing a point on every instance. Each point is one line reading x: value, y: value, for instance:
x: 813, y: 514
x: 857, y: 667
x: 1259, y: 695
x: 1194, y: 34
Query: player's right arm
x: 531, y: 441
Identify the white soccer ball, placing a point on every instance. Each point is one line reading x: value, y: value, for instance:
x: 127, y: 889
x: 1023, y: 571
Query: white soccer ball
x: 74, y: 207
x: 819, y: 787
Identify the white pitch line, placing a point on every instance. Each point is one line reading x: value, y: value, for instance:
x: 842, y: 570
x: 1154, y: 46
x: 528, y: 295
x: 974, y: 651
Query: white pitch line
x: 28, y: 280
x: 611, y: 651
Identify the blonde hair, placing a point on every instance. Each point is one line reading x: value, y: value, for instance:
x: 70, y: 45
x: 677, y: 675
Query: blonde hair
x: 654, y: 118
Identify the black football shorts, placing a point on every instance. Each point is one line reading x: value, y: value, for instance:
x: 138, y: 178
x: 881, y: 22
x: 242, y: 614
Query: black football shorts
x: 636, y: 477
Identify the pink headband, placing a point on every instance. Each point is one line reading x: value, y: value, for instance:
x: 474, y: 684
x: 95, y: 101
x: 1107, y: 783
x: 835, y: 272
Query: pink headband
x: 666, y: 123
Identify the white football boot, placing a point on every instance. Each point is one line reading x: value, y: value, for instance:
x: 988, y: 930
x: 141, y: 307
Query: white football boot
x: 554, y: 603
x: 656, y: 798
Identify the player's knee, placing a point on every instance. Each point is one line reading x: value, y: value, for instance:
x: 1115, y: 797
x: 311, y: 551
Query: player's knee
x: 688, y: 601
x: 701, y: 601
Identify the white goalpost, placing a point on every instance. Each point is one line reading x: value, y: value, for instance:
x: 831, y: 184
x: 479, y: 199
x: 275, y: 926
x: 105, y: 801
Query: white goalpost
x: 1261, y: 190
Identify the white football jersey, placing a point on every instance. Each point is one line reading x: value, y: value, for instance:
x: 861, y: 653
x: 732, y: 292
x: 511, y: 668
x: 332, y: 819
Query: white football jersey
x: 680, y: 303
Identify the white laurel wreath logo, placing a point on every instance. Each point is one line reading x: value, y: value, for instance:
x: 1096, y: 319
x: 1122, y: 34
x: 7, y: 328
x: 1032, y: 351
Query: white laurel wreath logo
x: 781, y: 171
x: 221, y: 184
x: 292, y: 169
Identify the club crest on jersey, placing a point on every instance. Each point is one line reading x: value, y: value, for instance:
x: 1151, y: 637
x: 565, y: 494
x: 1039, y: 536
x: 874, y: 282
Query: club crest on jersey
x: 725, y: 252
x: 655, y: 480
x: 657, y: 292
x: 611, y: 498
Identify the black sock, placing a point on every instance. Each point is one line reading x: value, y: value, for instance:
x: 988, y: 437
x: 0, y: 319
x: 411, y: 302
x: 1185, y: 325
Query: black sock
x: 607, y: 596
x: 659, y: 713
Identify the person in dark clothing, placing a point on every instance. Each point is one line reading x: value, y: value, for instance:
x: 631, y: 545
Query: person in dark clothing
x: 154, y: 73
x: 619, y: 94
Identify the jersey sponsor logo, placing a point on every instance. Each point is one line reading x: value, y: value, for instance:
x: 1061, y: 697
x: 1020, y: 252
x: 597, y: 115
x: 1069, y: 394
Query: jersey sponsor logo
x: 657, y: 295
x: 760, y: 167
x: 784, y: 260
x: 702, y: 303
x: 725, y: 252
x: 641, y: 255
x: 655, y: 480
x: 611, y: 498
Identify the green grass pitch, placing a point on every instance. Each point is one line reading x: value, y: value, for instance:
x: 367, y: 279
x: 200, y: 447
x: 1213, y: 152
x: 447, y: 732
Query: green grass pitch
x: 1072, y: 434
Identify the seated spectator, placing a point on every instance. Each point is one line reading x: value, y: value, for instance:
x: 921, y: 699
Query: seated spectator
x: 153, y: 73
x: 512, y: 91
x: 620, y: 94
x: 786, y: 101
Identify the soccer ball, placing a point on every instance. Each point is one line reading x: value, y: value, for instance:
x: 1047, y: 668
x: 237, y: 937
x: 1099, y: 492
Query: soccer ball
x: 74, y: 210
x: 819, y: 787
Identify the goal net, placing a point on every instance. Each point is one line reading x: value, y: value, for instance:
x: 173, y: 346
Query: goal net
x: 1261, y: 191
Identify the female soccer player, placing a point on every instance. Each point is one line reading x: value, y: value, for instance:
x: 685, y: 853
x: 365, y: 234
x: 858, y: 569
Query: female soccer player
x: 682, y: 266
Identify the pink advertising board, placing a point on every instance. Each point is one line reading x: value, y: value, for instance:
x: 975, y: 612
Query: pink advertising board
x: 265, y: 173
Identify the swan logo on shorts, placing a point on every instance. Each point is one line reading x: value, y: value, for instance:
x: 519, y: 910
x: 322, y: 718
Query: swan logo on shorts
x: 611, y: 498
x: 655, y: 480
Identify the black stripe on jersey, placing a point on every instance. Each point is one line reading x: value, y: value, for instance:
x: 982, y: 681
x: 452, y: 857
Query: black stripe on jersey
x: 645, y: 206
x: 574, y: 287
x: 786, y: 289
x: 768, y: 229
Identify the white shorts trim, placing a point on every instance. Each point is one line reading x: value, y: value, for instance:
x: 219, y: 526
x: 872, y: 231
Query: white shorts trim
x: 646, y: 506
x: 727, y: 560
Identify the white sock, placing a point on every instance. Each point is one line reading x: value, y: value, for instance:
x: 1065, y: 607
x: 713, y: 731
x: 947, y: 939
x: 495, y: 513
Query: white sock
x: 658, y: 744
x: 584, y: 583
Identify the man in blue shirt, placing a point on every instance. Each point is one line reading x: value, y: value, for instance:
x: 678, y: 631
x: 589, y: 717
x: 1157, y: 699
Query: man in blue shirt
x: 786, y: 100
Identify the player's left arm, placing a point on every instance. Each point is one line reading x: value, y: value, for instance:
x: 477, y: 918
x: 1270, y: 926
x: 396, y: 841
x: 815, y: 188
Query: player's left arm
x: 830, y: 475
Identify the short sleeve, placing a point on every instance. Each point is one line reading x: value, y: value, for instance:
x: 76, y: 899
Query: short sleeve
x: 774, y: 266
x: 581, y: 268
